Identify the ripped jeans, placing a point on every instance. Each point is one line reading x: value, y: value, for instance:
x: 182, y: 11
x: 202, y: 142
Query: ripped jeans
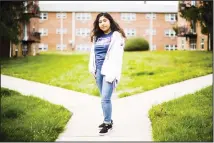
x: 106, y: 91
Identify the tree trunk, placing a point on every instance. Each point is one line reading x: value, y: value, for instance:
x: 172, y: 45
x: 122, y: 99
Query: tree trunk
x: 211, y: 41
x: 5, y: 47
x: 208, y: 42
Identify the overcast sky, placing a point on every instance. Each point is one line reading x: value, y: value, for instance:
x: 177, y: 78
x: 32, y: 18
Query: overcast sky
x: 113, y: 2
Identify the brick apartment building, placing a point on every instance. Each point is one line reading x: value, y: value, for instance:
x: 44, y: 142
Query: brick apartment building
x: 29, y: 37
x: 76, y: 21
x: 66, y: 26
x: 190, y: 38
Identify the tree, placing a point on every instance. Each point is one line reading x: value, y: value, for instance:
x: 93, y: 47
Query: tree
x: 12, y: 17
x: 202, y: 13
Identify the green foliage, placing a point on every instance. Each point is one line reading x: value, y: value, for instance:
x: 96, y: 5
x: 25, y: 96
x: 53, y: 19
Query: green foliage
x: 30, y: 119
x: 12, y: 17
x: 203, y: 13
x: 70, y: 71
x: 136, y: 44
x: 175, y: 28
x: 188, y: 118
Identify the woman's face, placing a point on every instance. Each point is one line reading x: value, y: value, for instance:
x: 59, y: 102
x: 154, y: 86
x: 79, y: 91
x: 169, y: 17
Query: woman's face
x: 104, y: 24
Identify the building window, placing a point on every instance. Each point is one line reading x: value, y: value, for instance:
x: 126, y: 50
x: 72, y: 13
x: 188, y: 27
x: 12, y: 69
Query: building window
x: 43, y: 47
x: 193, y: 28
x: 170, y: 17
x: 192, y: 44
x: 147, y: 32
x: 170, y: 47
x: 154, y: 48
x: 169, y: 33
x: 175, y: 47
x: 83, y: 47
x: 182, y: 44
x: 83, y: 16
x: 63, y: 31
x: 43, y: 16
x: 43, y: 31
x: 202, y: 43
x: 61, y: 47
x: 193, y: 2
x: 166, y: 47
x: 128, y: 16
x: 150, y: 15
x: 130, y: 32
x: 82, y: 32
x: 64, y: 15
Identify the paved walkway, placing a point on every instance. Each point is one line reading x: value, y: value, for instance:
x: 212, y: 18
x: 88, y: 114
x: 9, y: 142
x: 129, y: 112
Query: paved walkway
x: 130, y: 114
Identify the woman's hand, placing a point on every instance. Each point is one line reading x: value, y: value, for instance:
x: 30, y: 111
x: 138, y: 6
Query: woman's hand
x: 109, y: 79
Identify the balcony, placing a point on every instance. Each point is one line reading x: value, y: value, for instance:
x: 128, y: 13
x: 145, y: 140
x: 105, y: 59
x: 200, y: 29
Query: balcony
x: 183, y: 31
x: 33, y: 10
x: 34, y: 37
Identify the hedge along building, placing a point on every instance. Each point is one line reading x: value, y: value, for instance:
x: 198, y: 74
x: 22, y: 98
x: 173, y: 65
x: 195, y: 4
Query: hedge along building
x: 67, y: 26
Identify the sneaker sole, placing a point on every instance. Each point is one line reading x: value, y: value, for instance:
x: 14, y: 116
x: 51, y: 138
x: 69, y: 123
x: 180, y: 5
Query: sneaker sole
x: 102, y: 127
x: 102, y: 134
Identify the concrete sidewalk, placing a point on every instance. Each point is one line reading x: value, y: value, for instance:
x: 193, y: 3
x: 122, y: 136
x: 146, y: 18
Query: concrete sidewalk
x: 130, y: 114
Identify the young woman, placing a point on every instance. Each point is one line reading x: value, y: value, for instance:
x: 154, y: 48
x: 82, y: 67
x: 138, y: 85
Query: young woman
x: 106, y: 62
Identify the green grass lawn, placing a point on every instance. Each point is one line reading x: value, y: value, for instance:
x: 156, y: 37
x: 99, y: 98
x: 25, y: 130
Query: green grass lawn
x: 187, y: 118
x: 142, y: 71
x: 30, y: 119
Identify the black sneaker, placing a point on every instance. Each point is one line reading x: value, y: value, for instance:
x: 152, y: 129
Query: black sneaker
x: 103, y: 124
x: 105, y: 129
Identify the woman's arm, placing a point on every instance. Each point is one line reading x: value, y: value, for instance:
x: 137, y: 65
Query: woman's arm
x: 91, y: 61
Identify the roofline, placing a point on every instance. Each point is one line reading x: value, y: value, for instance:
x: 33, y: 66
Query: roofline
x: 135, y: 8
x: 107, y: 11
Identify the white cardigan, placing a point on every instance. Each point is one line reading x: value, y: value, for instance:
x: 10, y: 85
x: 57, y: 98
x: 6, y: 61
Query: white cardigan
x: 112, y: 64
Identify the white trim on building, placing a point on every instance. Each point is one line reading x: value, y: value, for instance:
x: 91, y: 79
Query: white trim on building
x: 104, y: 7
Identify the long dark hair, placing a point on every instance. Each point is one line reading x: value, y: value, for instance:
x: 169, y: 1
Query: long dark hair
x: 96, y: 32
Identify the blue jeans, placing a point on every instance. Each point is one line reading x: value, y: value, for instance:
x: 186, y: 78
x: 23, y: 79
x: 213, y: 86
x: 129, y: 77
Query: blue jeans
x: 106, y: 90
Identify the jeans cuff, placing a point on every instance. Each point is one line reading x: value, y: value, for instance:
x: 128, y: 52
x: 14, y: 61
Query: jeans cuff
x: 107, y: 122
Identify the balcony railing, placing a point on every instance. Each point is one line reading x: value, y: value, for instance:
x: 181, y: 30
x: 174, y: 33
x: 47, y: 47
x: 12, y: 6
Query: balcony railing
x: 34, y: 10
x: 183, y: 31
x: 34, y: 37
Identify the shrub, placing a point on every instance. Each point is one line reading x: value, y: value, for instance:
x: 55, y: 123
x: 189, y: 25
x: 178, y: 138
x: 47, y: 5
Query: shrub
x: 136, y: 44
